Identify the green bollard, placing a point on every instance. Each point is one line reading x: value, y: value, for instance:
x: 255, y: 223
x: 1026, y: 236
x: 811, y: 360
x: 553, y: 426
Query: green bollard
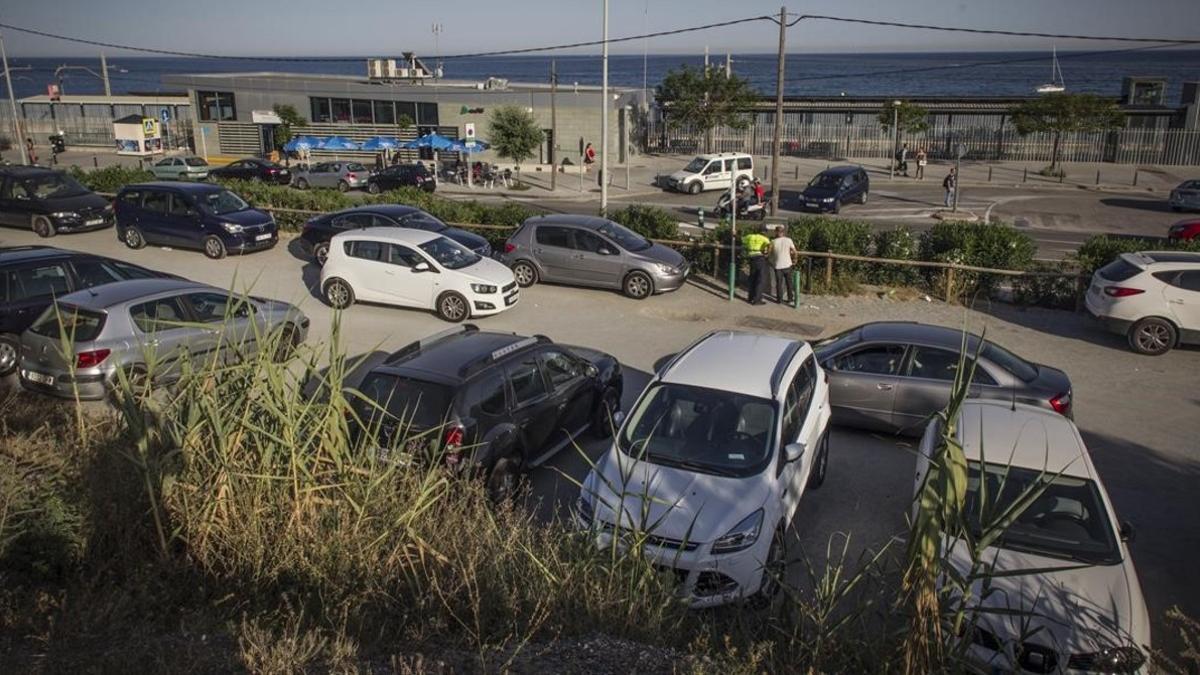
x: 795, y: 288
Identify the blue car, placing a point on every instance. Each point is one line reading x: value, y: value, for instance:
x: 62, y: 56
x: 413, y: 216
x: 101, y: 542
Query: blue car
x: 196, y: 216
x: 833, y: 187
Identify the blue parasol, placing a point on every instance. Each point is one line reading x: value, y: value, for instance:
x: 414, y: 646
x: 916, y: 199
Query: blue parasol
x: 461, y: 145
x: 381, y: 143
x: 434, y: 141
x: 339, y: 143
x: 303, y: 143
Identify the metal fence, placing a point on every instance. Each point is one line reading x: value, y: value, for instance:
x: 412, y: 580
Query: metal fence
x: 834, y: 141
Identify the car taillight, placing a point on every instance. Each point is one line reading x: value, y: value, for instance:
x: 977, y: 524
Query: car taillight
x: 453, y: 442
x: 91, y: 358
x: 1121, y: 291
x: 351, y: 176
x: 1061, y: 403
x: 509, y: 248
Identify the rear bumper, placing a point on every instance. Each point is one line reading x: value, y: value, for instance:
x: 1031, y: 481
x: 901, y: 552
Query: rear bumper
x: 1101, y: 316
x: 86, y: 387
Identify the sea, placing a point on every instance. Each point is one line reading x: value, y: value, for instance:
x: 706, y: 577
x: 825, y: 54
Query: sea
x: 849, y: 74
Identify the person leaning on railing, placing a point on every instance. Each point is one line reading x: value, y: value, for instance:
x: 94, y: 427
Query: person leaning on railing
x: 755, y: 246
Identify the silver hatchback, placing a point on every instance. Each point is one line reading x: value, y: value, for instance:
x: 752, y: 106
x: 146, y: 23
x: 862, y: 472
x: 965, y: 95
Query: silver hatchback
x: 341, y: 175
x: 146, y: 329
x: 590, y: 251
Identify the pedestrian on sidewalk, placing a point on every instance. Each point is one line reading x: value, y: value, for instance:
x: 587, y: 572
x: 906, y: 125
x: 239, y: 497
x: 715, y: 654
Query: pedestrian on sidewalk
x: 950, y: 184
x: 589, y: 154
x: 759, y: 191
x: 756, y: 246
x: 31, y: 151
x: 782, y: 258
x: 922, y: 160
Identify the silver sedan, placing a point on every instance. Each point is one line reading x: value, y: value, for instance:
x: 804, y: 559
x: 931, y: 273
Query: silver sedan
x: 341, y: 175
x: 1186, y: 196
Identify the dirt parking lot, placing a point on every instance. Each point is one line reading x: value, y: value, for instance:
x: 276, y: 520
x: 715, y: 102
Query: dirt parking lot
x: 1139, y: 415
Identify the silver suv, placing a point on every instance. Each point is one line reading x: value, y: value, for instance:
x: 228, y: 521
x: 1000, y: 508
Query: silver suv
x: 146, y: 328
x: 589, y: 251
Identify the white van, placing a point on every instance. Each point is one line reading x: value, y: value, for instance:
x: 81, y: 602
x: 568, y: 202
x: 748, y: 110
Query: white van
x: 712, y: 172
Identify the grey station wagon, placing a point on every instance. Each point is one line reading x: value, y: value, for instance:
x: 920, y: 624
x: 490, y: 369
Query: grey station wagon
x: 589, y: 251
x: 145, y: 328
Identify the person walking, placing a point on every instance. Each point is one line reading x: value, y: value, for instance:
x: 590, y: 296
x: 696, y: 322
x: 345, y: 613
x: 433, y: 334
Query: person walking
x: 922, y: 160
x: 756, y: 246
x: 950, y: 184
x: 782, y: 257
x: 902, y: 157
x: 31, y: 151
x: 589, y: 154
x: 759, y: 191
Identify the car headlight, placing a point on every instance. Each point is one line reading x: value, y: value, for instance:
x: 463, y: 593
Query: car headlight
x: 64, y: 215
x: 1111, y: 660
x: 742, y: 536
x: 666, y: 269
x: 232, y: 228
x: 585, y: 510
x: 827, y: 199
x: 483, y: 288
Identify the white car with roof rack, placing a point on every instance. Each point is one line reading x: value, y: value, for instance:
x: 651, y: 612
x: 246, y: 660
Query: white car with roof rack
x: 708, y: 468
x: 1151, y: 297
x: 414, y: 268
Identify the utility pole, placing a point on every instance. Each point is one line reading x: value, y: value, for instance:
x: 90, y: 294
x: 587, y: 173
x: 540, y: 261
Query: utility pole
x: 604, y: 119
x: 12, y: 100
x: 104, y: 74
x: 728, y: 65
x: 553, y: 126
x: 895, y: 138
x: 775, y: 139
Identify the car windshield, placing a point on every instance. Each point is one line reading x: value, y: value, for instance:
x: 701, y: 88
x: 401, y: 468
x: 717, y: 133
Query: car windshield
x: 1017, y: 366
x: 696, y: 165
x: 423, y: 221
x: 825, y: 180
x: 355, y: 166
x: 1065, y: 517
x: 1119, y: 270
x: 73, y: 323
x: 700, y: 429
x: 450, y: 254
x: 625, y: 238
x: 195, y: 161
x: 412, y: 402
x: 220, y: 203
x: 53, y: 185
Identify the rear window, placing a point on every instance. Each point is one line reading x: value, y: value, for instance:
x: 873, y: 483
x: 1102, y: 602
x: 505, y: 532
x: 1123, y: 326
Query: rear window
x: 1019, y: 367
x: 195, y: 161
x: 422, y: 404
x: 73, y: 323
x: 355, y: 166
x: 1120, y: 270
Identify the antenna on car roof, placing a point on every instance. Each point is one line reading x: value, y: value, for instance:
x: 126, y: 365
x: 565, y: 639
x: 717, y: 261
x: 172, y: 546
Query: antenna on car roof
x: 1013, y: 391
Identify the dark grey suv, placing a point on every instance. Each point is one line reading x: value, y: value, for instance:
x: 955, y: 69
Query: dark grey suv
x: 589, y: 251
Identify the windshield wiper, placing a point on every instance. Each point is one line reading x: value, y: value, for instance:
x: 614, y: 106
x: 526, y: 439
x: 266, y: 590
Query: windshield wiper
x: 686, y: 464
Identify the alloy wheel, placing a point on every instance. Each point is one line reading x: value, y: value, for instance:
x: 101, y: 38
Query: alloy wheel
x: 524, y: 274
x: 637, y: 286
x: 133, y: 238
x: 8, y: 356
x: 454, y: 307
x: 338, y: 294
x: 213, y: 248
x: 1154, y: 337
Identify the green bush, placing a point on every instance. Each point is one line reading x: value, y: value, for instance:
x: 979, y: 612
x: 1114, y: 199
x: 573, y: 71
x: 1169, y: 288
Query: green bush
x: 110, y: 178
x: 1102, y: 249
x: 897, y: 244
x: 649, y: 221
x: 977, y: 244
x: 1053, y: 292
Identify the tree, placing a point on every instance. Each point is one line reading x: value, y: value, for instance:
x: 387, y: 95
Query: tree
x: 515, y: 134
x: 289, y: 117
x: 1060, y: 113
x: 705, y: 99
x: 910, y: 117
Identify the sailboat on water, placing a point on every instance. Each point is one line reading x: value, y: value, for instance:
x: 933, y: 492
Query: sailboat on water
x: 1056, y: 83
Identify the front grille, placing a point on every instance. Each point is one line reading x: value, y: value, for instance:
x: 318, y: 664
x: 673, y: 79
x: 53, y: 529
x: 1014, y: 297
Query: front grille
x: 714, y: 583
x: 655, y: 540
x: 680, y: 575
x: 508, y: 287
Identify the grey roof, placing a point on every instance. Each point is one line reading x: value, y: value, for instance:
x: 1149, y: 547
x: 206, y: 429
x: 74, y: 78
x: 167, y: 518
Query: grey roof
x: 1173, y: 256
x: 119, y: 292
x: 590, y: 222
x: 906, y: 331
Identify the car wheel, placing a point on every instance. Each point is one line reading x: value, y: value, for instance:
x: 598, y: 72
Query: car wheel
x: 773, y: 571
x: 343, y: 186
x: 373, y: 188
x: 602, y: 416
x: 214, y: 247
x: 321, y: 253
x: 837, y: 206
x: 1152, y: 336
x: 301, y: 184
x: 504, y: 479
x: 638, y: 285
x: 694, y: 188
x: 338, y: 293
x: 816, y: 477
x: 862, y: 199
x: 10, y: 349
x: 452, y: 307
x: 286, y: 346
x: 525, y: 273
x: 43, y: 227
x: 132, y: 238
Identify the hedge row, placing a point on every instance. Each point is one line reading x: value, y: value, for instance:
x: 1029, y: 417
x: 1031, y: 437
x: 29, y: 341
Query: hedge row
x: 1100, y: 250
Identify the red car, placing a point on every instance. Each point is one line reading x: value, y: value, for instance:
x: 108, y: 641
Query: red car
x: 1185, y: 230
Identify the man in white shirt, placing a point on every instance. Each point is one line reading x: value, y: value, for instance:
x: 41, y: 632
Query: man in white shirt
x: 781, y: 257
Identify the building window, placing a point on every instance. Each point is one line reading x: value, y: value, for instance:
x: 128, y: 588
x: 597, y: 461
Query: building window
x: 427, y: 113
x: 216, y: 106
x: 362, y: 112
x: 341, y: 109
x: 320, y: 110
x: 406, y: 109
x: 384, y: 112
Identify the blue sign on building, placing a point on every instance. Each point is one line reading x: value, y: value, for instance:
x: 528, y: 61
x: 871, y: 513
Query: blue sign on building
x: 165, y: 114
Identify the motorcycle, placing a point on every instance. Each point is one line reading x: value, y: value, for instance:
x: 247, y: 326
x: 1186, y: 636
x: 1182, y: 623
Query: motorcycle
x: 750, y: 209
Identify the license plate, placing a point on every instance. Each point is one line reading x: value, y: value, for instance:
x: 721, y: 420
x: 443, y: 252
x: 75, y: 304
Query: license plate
x: 39, y: 378
x: 511, y: 300
x: 262, y: 237
x: 94, y: 221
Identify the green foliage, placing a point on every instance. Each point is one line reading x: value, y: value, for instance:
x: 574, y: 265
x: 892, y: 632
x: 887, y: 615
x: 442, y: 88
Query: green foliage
x: 514, y: 133
x: 290, y: 118
x: 110, y: 178
x: 649, y: 221
x: 910, y: 117
x: 897, y: 244
x: 404, y: 121
x: 1064, y: 113
x: 1053, y: 291
x: 1101, y: 249
x: 705, y: 100
x: 980, y: 245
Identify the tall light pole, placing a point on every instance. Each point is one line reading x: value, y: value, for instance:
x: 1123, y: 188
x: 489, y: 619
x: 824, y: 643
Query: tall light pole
x: 604, y: 119
x: 775, y: 139
x: 895, y: 138
x: 12, y: 100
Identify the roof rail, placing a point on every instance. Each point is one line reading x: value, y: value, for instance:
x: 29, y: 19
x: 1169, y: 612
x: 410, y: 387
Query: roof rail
x: 482, y: 362
x: 781, y: 367
x: 417, y: 346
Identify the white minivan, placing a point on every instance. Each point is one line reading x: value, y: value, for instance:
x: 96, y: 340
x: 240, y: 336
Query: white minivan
x: 712, y: 172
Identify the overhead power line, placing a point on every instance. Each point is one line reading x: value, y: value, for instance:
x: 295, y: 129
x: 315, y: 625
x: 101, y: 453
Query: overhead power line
x: 985, y: 31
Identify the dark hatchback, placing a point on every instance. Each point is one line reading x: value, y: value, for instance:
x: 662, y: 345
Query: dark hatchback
x: 49, y: 202
x: 833, y: 187
x: 894, y: 376
x: 253, y: 169
x: 401, y: 175
x: 32, y: 276
x: 192, y: 215
x: 314, y: 240
x: 487, y: 403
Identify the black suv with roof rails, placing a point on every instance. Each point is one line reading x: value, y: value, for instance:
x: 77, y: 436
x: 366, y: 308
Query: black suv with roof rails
x: 492, y: 403
x: 32, y: 276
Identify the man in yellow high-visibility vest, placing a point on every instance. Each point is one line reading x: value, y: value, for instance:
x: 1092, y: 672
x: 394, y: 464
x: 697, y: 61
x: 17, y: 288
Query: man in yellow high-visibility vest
x: 755, y: 246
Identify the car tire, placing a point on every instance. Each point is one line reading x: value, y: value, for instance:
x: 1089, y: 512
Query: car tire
x: 373, y: 188
x: 133, y: 238
x: 504, y: 478
x: 343, y: 186
x: 10, y: 353
x: 42, y: 227
x: 816, y: 477
x: 1152, y: 336
x: 320, y: 253
x: 773, y: 570
x: 837, y: 206
x: 452, y: 307
x: 525, y: 273
x: 862, y: 199
x: 693, y: 188
x: 637, y: 285
x: 301, y: 184
x: 286, y: 346
x: 602, y: 417
x: 214, y: 248
x: 338, y: 293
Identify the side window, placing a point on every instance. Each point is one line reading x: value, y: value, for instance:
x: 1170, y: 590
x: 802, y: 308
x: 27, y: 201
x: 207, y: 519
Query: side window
x: 131, y: 197
x: 713, y: 167
x: 96, y: 272
x: 180, y: 206
x: 487, y: 394
x: 729, y: 166
x: 158, y: 315
x: 798, y: 399
x: 1190, y: 281
x: 158, y: 202
x: 214, y: 307
x: 44, y: 281
x: 526, y: 380
x: 131, y: 271
x: 352, y: 220
x: 875, y: 360
x: 745, y: 163
x: 549, y: 235
x: 6, y: 189
x: 403, y: 256
x: 590, y: 241
x: 382, y: 221
x: 941, y: 364
x: 366, y: 250
x: 560, y: 368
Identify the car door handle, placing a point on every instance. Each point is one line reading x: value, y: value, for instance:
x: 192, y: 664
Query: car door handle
x: 578, y: 256
x: 1175, y: 302
x: 883, y: 386
x: 538, y: 250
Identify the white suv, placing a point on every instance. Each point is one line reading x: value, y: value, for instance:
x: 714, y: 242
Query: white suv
x: 708, y: 468
x: 713, y: 172
x: 1152, y: 297
x: 414, y: 268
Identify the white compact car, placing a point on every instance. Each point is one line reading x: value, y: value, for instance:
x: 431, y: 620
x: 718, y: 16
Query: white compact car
x: 707, y: 470
x: 1151, y: 297
x: 1079, y: 608
x: 712, y: 172
x: 414, y: 268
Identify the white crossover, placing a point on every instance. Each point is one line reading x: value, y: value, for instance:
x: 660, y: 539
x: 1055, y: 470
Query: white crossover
x: 1063, y: 595
x: 1151, y: 297
x: 414, y: 268
x: 707, y: 470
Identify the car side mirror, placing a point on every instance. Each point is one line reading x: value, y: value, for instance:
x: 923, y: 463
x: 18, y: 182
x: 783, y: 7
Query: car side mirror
x: 1128, y: 534
x: 793, y: 451
x: 604, y: 250
x: 591, y: 370
x: 422, y: 267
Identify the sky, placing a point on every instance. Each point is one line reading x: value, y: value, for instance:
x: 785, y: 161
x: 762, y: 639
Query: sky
x: 387, y: 27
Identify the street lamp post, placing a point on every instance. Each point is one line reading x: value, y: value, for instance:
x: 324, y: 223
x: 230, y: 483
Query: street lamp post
x: 12, y: 100
x: 895, y: 137
x: 102, y: 77
x: 604, y: 118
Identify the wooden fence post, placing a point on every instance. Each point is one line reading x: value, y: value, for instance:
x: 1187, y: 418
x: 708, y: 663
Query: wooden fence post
x: 828, y: 273
x: 949, y: 283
